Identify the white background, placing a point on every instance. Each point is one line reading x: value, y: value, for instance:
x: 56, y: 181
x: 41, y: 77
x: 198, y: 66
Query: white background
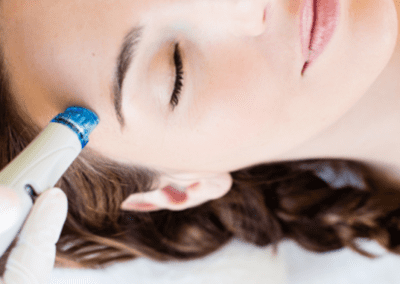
x: 244, y: 263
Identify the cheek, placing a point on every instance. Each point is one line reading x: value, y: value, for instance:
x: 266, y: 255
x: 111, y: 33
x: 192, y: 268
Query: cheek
x: 233, y: 82
x: 293, y: 6
x: 374, y: 20
x: 239, y: 96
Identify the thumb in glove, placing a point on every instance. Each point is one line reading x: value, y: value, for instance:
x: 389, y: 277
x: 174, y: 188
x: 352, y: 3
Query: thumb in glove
x: 32, y: 260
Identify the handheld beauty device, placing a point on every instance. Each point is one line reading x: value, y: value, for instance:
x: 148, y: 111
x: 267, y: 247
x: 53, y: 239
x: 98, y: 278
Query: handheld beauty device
x: 40, y: 165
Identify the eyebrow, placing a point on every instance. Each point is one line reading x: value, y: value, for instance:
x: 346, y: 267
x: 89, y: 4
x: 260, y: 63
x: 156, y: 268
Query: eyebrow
x: 124, y: 60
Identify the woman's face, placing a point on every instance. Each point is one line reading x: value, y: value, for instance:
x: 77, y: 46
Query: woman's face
x: 243, y: 99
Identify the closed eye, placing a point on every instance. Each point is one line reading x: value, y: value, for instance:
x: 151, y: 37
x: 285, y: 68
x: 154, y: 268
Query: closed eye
x: 178, y: 78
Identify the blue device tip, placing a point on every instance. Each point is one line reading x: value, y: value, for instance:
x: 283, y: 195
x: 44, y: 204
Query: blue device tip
x: 81, y: 120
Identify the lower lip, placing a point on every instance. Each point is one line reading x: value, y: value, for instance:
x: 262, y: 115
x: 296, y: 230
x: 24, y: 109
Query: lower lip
x: 316, y: 37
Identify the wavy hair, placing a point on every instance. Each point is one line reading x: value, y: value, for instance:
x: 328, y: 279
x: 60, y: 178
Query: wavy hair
x: 322, y: 205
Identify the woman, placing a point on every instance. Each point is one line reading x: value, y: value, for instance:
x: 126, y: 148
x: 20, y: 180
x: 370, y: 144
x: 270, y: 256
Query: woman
x: 214, y: 123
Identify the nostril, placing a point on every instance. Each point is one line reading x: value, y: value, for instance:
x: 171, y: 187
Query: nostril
x: 251, y: 18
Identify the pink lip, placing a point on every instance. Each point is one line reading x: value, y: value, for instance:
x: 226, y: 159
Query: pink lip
x: 319, y: 19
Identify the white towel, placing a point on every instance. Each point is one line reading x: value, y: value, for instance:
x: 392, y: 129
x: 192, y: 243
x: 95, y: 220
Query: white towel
x: 244, y: 263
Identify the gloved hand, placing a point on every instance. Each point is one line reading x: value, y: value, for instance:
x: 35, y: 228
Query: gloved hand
x: 32, y: 259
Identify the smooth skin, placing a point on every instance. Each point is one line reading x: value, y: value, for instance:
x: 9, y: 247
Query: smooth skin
x: 244, y: 100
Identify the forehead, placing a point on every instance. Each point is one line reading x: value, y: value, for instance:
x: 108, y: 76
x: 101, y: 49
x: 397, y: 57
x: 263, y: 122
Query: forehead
x: 89, y: 22
x: 65, y: 48
x: 41, y: 13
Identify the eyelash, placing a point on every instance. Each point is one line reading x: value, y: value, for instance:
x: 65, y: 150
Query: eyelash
x: 179, y: 77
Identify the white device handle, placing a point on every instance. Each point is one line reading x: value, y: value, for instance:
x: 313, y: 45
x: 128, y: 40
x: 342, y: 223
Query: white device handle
x: 38, y: 166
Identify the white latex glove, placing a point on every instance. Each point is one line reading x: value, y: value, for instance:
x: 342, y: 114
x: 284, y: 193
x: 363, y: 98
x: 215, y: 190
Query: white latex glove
x: 32, y: 259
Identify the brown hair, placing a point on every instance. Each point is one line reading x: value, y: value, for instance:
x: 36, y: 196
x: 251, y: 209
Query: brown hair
x: 322, y: 205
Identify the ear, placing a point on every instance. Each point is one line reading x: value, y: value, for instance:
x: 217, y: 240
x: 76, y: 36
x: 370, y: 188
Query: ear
x: 179, y: 192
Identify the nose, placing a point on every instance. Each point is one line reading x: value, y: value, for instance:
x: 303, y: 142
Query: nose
x: 249, y: 17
